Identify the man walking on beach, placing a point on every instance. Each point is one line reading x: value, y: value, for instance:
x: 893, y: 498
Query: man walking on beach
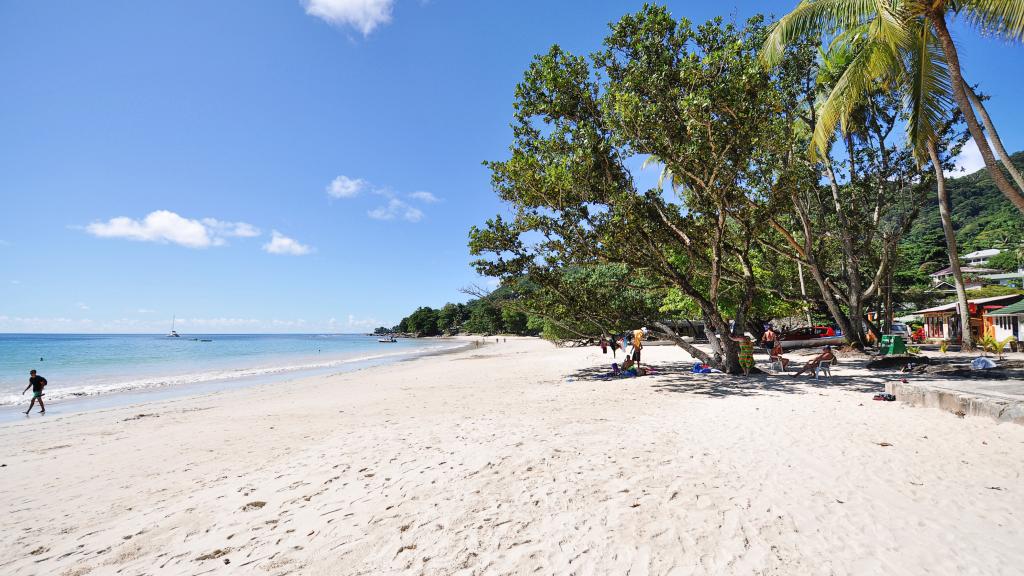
x: 36, y: 383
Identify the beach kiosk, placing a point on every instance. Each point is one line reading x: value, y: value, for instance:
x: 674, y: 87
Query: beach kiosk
x: 1008, y: 321
x: 943, y: 322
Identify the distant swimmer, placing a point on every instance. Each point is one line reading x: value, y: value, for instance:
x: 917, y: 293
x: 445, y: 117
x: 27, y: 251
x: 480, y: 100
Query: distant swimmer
x: 36, y: 383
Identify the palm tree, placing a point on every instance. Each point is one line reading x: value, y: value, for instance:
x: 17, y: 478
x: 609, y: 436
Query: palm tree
x: 1004, y: 157
x: 886, y: 52
x: 891, y: 23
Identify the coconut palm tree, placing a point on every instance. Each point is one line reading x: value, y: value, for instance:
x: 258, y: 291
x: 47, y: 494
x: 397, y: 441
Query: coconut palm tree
x: 890, y: 22
x: 886, y: 52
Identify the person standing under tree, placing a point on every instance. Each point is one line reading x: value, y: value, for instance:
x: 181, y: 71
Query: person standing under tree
x: 769, y: 339
x: 36, y: 383
x: 746, y: 355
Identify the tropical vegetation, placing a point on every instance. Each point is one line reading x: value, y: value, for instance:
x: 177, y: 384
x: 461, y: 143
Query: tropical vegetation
x: 787, y: 189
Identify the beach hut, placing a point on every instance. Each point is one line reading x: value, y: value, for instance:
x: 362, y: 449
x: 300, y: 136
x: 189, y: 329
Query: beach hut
x: 943, y: 322
x: 1008, y: 321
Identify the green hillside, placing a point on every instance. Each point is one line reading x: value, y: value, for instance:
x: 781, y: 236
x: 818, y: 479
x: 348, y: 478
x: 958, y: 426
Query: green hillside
x: 982, y: 216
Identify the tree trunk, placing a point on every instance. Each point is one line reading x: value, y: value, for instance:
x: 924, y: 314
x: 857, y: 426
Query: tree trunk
x: 966, y: 341
x: 938, y: 20
x: 690, y: 349
x: 996, y: 141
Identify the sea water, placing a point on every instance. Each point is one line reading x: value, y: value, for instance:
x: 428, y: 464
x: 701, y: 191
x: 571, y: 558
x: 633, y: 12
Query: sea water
x: 79, y: 366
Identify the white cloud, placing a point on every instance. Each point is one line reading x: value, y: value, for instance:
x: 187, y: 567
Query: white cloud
x: 362, y: 323
x: 395, y: 208
x: 364, y: 15
x: 281, y: 244
x: 345, y: 187
x: 218, y: 322
x: 426, y: 197
x: 968, y: 161
x: 164, y: 226
x: 236, y: 229
x: 37, y: 324
x: 82, y: 306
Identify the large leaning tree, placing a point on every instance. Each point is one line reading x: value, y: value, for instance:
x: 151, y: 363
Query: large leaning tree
x: 695, y: 98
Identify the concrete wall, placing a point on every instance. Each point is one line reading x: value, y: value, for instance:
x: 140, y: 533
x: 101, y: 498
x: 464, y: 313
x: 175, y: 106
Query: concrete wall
x: 999, y: 409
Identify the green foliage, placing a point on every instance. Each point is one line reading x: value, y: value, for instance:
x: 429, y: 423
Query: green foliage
x: 944, y: 346
x: 1006, y: 261
x: 990, y: 291
x: 982, y: 216
x: 990, y: 344
x: 422, y: 322
x: 486, y: 315
x: 451, y: 317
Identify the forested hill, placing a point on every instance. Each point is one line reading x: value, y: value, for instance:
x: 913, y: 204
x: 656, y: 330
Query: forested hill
x: 982, y: 216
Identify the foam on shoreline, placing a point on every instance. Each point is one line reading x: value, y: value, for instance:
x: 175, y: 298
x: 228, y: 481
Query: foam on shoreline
x: 56, y: 393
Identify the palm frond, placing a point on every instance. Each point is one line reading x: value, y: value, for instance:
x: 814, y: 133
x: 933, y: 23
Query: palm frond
x: 874, y: 64
x: 823, y: 17
x: 1003, y: 18
x: 927, y: 98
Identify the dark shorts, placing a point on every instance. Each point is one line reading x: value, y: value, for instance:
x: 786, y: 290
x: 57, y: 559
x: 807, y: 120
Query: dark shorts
x: 636, y: 355
x: 37, y: 394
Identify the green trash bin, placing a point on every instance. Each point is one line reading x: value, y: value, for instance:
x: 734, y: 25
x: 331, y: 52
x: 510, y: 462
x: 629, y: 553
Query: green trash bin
x: 892, y: 345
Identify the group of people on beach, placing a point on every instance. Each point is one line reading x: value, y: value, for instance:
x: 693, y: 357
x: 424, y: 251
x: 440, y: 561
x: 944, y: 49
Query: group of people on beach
x: 631, y: 365
x: 634, y: 338
x: 772, y: 343
x: 770, y: 340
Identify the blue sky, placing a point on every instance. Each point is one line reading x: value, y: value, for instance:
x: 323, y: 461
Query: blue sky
x: 278, y: 166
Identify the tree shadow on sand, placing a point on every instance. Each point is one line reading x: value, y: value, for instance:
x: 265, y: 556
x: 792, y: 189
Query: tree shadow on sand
x: 677, y: 377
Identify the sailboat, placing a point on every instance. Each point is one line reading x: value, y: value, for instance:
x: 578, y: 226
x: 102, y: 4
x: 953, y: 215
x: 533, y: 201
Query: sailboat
x: 172, y: 333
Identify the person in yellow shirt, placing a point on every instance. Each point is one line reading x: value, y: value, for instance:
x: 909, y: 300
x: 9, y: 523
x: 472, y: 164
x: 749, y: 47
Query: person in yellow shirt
x: 638, y: 343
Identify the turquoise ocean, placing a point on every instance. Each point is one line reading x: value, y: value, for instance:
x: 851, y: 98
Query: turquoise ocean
x: 82, y: 366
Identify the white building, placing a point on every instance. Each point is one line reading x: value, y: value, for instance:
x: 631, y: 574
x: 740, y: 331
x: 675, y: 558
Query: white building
x: 979, y: 258
x: 973, y: 277
x: 1011, y: 279
x: 1008, y: 321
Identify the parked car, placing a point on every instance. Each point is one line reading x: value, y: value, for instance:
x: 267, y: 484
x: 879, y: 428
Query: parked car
x: 809, y: 333
x: 811, y: 336
x: 900, y: 329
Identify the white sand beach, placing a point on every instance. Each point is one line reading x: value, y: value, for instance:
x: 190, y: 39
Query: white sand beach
x: 513, y: 459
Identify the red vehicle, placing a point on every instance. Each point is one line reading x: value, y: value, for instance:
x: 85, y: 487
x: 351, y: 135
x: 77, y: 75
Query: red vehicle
x: 809, y: 333
x: 810, y: 336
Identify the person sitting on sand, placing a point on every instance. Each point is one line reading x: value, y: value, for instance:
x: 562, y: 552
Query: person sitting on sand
x: 630, y: 369
x: 36, y: 383
x: 627, y: 363
x: 746, y: 356
x: 776, y: 354
x: 826, y: 356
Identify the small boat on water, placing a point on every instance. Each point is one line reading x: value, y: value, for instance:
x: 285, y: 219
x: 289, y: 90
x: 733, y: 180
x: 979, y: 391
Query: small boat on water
x: 388, y: 339
x: 173, y: 333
